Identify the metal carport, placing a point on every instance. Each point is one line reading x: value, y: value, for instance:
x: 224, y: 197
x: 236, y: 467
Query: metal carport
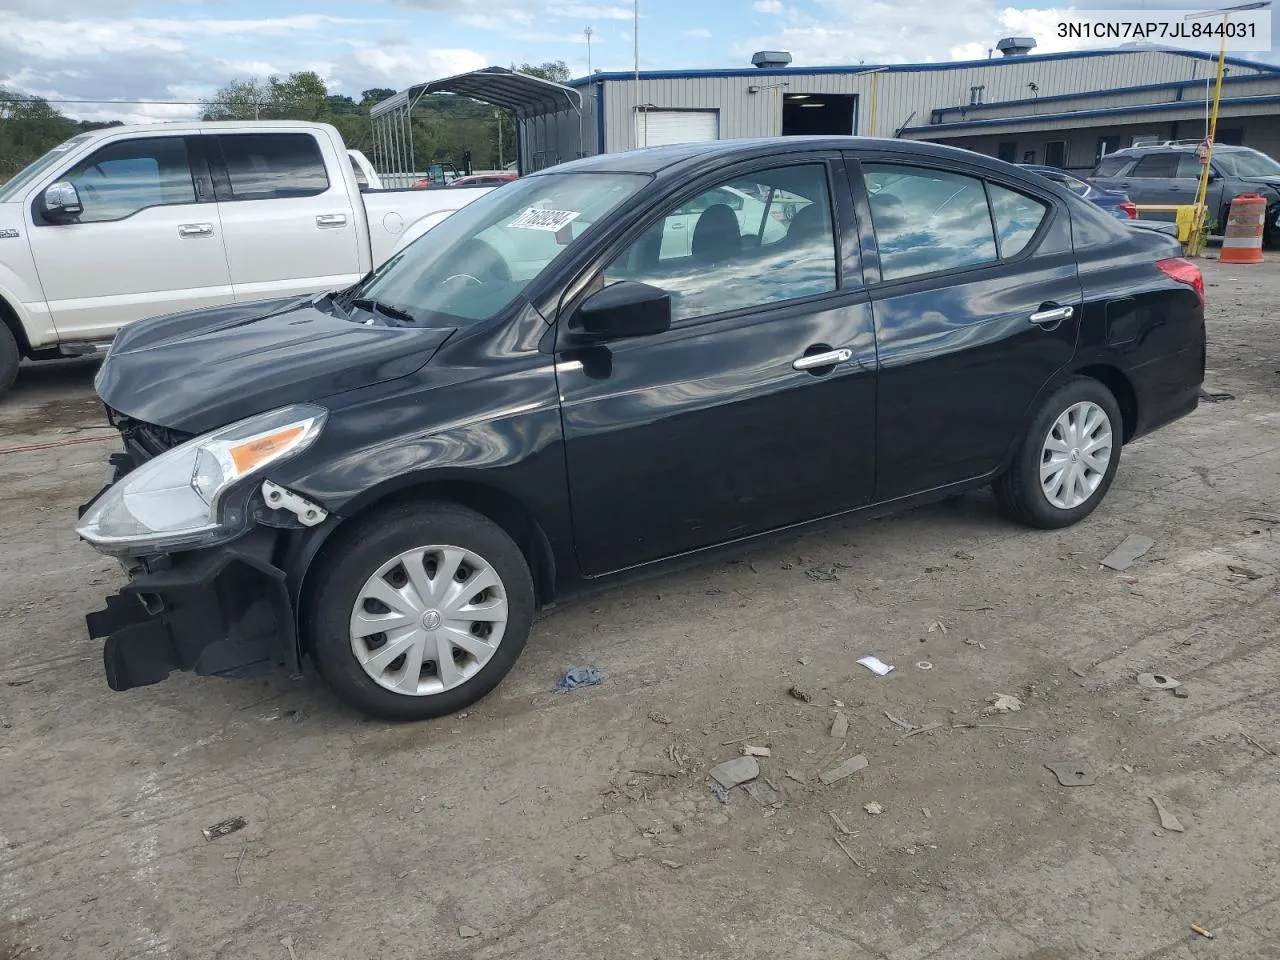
x: 528, y: 98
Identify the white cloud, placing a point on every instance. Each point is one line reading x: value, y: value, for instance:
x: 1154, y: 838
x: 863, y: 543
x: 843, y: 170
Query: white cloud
x: 589, y: 11
x: 768, y: 6
x: 700, y: 33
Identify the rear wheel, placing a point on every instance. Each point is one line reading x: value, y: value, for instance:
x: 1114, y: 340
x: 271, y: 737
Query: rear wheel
x: 10, y: 357
x: 420, y: 611
x: 1067, y: 458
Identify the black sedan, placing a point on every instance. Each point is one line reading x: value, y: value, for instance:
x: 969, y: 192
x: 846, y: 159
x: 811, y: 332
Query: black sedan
x: 606, y: 365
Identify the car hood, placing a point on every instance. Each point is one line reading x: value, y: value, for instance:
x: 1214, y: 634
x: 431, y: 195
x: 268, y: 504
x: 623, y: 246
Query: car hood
x: 1269, y: 181
x: 197, y: 371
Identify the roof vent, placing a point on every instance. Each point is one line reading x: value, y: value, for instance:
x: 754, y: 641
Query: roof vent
x: 1016, y: 46
x: 770, y: 59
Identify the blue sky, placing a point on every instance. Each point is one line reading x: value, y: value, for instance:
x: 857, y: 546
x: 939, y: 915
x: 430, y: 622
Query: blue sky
x: 185, y: 49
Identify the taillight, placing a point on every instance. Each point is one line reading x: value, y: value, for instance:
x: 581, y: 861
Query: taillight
x: 1130, y: 208
x: 1183, y: 271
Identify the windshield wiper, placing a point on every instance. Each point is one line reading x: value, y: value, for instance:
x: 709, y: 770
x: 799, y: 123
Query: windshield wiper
x: 386, y: 309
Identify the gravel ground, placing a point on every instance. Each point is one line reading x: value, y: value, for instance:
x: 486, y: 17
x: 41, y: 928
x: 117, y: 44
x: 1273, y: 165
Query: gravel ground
x: 545, y: 825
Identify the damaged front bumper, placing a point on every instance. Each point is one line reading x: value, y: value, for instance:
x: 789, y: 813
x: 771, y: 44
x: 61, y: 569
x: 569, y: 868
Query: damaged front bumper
x: 221, y: 611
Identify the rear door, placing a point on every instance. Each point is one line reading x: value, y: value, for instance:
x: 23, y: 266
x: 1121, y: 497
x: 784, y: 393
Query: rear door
x: 1153, y: 181
x: 976, y: 307
x: 288, y: 219
x: 147, y: 243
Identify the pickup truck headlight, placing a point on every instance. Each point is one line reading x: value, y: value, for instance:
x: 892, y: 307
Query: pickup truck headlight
x: 172, y: 501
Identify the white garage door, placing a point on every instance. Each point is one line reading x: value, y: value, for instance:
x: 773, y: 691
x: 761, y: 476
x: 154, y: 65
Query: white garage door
x: 657, y: 127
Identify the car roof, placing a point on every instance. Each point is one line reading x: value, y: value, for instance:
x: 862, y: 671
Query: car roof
x: 683, y: 156
x: 1180, y: 148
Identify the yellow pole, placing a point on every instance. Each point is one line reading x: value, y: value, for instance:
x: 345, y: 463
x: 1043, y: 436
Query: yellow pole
x: 1197, y: 237
x: 875, y: 99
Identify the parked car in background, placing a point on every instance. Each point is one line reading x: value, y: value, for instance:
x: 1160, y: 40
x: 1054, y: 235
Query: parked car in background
x: 1169, y: 173
x: 395, y: 478
x: 137, y: 221
x: 1115, y: 202
x: 485, y: 180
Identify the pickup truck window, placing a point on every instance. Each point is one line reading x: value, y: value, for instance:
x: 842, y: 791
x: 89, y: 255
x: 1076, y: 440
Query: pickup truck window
x: 273, y: 166
x: 487, y: 254
x: 131, y: 175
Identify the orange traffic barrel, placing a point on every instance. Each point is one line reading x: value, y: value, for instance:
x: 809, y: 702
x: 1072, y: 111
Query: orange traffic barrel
x: 1242, y: 240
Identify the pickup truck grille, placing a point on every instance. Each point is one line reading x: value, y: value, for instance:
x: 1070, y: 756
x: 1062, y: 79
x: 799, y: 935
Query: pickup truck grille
x: 145, y: 440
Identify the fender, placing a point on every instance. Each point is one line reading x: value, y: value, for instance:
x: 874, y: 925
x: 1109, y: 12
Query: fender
x: 35, y: 324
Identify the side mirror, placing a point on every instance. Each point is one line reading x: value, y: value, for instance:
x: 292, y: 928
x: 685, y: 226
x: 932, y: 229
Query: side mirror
x: 61, y: 200
x: 623, y: 309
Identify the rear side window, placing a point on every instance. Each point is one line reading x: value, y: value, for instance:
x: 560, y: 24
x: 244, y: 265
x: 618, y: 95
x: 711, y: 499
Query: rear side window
x: 273, y: 166
x: 1161, y: 166
x: 928, y: 220
x: 1111, y: 166
x: 1017, y: 218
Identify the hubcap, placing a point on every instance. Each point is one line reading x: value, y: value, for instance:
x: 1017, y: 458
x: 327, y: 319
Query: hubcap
x: 428, y: 620
x: 1075, y: 455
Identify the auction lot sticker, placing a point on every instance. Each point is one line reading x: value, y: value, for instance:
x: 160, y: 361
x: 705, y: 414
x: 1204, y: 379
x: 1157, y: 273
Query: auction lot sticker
x: 551, y: 221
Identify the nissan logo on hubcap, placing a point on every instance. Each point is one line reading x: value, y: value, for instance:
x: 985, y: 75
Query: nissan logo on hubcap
x: 431, y: 620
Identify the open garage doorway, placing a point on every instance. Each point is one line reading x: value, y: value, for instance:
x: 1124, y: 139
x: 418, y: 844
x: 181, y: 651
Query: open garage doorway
x: 817, y: 114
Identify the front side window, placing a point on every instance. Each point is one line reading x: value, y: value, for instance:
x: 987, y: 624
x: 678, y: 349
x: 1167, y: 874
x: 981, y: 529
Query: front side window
x: 273, y: 166
x: 927, y: 220
x: 755, y: 240
x: 480, y: 259
x: 131, y: 175
x: 1157, y: 166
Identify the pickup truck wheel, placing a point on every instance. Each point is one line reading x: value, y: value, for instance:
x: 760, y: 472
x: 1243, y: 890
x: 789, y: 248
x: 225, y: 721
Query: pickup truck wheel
x: 420, y: 611
x: 1067, y: 458
x: 10, y: 357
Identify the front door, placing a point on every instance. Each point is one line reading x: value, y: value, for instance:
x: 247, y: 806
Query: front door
x: 972, y: 321
x: 147, y: 242
x: 757, y: 408
x: 287, y: 217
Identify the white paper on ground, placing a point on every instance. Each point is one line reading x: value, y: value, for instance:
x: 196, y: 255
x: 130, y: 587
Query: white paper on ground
x: 876, y: 665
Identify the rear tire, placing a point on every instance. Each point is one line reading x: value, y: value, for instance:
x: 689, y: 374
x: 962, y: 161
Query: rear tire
x: 452, y: 594
x: 1059, y: 474
x: 10, y: 357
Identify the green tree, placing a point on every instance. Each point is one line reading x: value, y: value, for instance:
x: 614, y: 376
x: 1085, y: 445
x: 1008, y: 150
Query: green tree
x: 375, y: 95
x: 555, y: 70
x: 29, y: 127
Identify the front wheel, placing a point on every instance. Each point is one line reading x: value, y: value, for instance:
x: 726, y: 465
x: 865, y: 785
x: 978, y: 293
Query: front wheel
x: 419, y: 611
x: 1067, y: 458
x: 10, y: 357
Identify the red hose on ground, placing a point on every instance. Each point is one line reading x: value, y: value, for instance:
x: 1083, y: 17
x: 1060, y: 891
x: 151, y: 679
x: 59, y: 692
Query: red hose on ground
x: 57, y: 443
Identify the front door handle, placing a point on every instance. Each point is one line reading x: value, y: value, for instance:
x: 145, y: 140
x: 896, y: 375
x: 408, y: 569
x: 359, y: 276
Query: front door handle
x: 828, y: 359
x: 190, y: 231
x: 1053, y: 315
x: 331, y: 220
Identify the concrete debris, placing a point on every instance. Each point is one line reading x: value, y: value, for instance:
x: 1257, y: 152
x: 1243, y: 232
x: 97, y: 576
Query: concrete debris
x: 1127, y: 768
x: 224, y: 828
x: 939, y: 626
x: 731, y: 773
x: 1131, y: 548
x: 577, y: 677
x: 962, y: 555
x: 843, y: 770
x: 719, y: 792
x: 1181, y: 693
x: 803, y: 661
x: 873, y: 808
x: 823, y: 574
x: 927, y: 728
x: 1003, y: 703
x: 1248, y: 574
x: 1167, y: 820
x: 1073, y: 773
x: 468, y: 933
x: 750, y: 751
x: 671, y: 864
x: 762, y: 793
x: 659, y: 718
x: 795, y: 775
x: 801, y: 694
x: 876, y: 666
x: 902, y: 724
x: 840, y: 726
x: 1157, y: 681
x: 927, y: 814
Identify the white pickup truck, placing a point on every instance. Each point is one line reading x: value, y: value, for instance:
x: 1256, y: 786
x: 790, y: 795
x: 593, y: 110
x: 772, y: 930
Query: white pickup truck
x: 139, y: 221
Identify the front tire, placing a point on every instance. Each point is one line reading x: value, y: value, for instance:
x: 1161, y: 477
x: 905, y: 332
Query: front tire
x: 10, y: 357
x: 1066, y: 460
x: 419, y: 611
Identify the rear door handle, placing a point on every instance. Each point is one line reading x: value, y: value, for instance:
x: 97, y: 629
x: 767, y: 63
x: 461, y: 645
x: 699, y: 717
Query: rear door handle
x: 331, y: 220
x: 828, y: 359
x: 190, y: 231
x: 1053, y: 315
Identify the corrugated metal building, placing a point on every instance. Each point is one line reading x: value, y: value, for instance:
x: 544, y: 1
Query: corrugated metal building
x: 1063, y: 109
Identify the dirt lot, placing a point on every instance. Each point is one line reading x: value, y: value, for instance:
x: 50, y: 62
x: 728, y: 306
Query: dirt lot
x: 545, y: 825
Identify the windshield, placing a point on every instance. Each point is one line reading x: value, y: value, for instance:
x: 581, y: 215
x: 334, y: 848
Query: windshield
x: 487, y: 254
x: 9, y: 191
x: 1247, y: 163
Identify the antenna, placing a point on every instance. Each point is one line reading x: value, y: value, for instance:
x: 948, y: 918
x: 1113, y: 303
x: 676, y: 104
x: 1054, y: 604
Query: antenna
x: 587, y: 32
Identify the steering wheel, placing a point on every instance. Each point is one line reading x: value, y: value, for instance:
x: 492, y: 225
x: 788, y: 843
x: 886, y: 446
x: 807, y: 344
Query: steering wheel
x: 474, y: 281
x: 477, y: 260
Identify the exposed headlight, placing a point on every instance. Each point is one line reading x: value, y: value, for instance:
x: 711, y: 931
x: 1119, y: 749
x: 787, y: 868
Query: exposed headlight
x: 172, y: 502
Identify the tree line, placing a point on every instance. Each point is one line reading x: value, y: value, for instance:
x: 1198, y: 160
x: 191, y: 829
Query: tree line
x: 444, y: 127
